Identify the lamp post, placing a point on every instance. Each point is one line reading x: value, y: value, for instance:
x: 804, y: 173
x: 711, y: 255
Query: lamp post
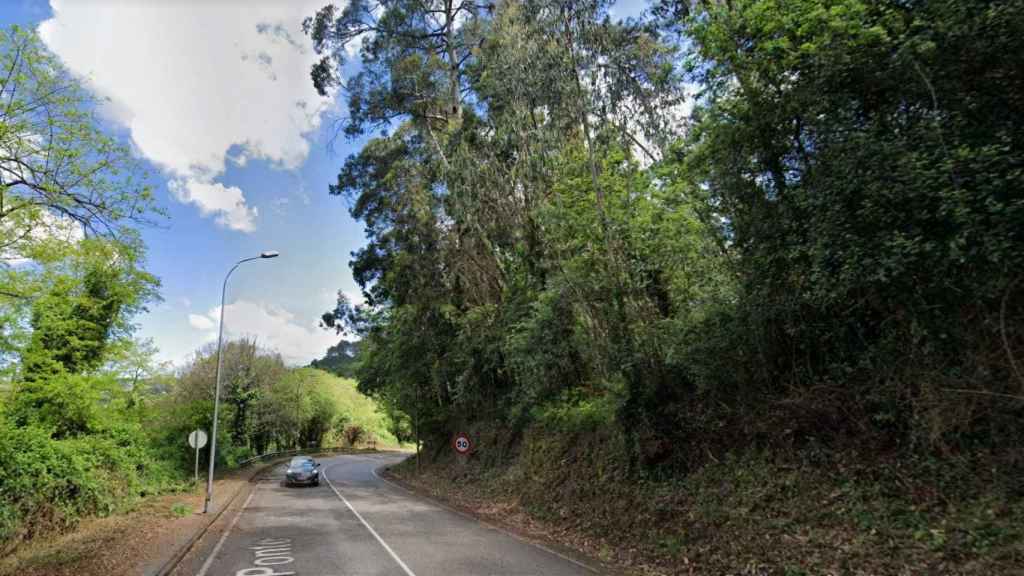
x: 220, y: 363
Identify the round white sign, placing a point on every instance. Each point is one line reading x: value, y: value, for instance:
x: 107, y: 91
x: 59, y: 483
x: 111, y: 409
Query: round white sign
x: 462, y: 444
x: 197, y: 439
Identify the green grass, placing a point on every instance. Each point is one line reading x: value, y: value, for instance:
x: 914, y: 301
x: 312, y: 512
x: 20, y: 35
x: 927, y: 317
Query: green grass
x: 180, y: 510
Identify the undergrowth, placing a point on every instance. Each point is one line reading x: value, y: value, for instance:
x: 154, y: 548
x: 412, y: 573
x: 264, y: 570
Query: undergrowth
x: 47, y: 485
x: 813, y: 510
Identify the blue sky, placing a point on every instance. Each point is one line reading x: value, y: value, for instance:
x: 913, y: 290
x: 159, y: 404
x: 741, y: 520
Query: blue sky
x: 216, y: 101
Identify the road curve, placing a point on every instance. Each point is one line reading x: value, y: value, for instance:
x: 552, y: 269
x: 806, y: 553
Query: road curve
x: 356, y: 524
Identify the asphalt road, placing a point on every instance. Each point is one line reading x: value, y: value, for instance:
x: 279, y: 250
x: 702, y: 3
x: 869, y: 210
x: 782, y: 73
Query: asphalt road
x: 356, y: 524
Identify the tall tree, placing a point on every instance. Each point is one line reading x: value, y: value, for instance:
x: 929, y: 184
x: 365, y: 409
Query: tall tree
x: 455, y: 211
x: 413, y: 55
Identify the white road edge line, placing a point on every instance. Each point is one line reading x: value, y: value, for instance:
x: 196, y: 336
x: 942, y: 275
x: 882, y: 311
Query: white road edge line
x: 394, y: 556
x: 494, y: 527
x: 216, y: 549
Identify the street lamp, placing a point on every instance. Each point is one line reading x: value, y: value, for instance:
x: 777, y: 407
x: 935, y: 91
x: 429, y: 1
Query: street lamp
x: 220, y: 362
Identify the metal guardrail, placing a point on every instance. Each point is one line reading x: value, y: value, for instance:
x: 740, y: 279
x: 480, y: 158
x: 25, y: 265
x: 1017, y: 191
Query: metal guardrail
x: 270, y: 455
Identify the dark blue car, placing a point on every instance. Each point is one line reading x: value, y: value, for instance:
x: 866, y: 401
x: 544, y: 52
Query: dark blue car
x: 303, y: 470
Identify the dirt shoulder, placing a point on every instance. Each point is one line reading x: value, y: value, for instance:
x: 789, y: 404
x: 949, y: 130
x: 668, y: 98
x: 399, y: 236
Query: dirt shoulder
x: 137, y: 542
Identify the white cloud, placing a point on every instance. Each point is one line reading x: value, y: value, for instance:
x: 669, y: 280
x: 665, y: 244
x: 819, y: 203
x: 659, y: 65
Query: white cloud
x: 227, y: 202
x: 274, y: 328
x: 192, y: 79
x: 201, y: 322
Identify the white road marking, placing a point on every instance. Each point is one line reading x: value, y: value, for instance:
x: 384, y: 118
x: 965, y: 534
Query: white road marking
x: 394, y: 556
x: 220, y: 543
x: 496, y: 528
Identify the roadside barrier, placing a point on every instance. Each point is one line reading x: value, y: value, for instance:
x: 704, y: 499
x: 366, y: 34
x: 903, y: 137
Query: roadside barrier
x: 269, y: 455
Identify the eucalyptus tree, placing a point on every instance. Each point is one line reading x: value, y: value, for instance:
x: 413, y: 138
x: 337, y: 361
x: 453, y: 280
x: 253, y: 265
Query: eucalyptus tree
x: 413, y: 55
x: 456, y: 211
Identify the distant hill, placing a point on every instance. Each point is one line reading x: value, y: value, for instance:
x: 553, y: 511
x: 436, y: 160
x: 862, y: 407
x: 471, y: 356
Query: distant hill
x: 340, y: 359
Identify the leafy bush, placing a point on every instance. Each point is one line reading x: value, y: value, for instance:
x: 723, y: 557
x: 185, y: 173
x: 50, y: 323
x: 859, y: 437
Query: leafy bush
x: 353, y: 434
x: 49, y: 484
x: 65, y: 404
x: 232, y: 454
x: 571, y: 415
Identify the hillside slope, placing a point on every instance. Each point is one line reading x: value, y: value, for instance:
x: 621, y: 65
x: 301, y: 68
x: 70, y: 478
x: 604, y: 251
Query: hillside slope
x: 809, y: 511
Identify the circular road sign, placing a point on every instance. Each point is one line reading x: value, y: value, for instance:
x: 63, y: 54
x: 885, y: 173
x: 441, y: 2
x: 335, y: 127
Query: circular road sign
x: 197, y: 439
x: 462, y: 443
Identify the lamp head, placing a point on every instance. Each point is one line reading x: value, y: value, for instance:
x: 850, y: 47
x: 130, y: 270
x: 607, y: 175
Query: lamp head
x: 269, y: 254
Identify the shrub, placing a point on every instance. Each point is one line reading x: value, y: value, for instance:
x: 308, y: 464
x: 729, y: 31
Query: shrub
x: 573, y: 415
x: 353, y: 434
x: 49, y: 484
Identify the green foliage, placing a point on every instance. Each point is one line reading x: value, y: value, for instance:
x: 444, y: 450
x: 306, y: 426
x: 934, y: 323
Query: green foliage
x: 828, y: 254
x: 340, y: 359
x: 49, y: 484
x: 265, y: 408
x: 356, y: 409
x: 868, y: 184
x: 71, y: 281
x: 91, y: 295
x: 582, y: 415
x: 62, y: 175
x: 180, y: 510
x: 66, y: 405
x: 58, y: 159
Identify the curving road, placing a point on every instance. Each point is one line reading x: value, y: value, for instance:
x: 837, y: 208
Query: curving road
x: 356, y: 524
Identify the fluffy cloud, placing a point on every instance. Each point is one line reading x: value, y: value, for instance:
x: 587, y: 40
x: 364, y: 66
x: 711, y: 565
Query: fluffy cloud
x: 191, y: 80
x: 227, y: 202
x: 201, y: 322
x: 274, y: 328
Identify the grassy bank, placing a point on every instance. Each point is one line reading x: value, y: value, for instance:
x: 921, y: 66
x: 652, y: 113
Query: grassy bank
x: 812, y: 511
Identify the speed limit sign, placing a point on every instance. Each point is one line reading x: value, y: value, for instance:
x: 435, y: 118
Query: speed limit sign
x: 461, y: 443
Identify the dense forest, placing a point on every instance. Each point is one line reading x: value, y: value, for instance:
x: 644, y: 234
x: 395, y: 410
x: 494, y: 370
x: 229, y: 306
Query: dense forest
x: 724, y: 223
x: 794, y: 229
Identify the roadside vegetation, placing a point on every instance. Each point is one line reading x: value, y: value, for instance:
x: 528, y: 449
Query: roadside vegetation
x: 90, y: 422
x: 731, y: 266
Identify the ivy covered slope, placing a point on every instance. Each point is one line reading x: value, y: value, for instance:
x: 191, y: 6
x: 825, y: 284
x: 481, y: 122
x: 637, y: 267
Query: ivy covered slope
x: 758, y: 260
